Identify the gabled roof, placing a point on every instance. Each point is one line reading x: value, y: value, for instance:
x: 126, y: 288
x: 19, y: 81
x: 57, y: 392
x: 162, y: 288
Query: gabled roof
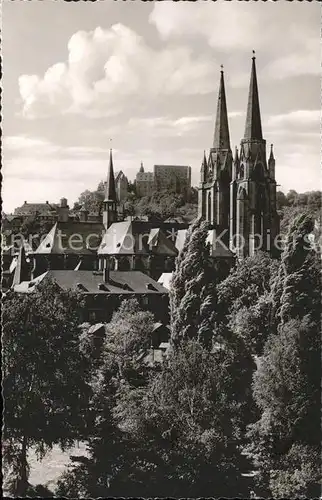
x: 29, y: 286
x: 165, y: 280
x: 217, y: 249
x: 21, y: 267
x: 181, y: 238
x: 118, y: 175
x: 82, y: 238
x: 117, y: 239
x: 135, y: 237
x: 160, y: 244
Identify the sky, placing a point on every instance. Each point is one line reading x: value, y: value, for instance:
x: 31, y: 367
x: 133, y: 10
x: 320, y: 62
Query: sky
x: 142, y: 78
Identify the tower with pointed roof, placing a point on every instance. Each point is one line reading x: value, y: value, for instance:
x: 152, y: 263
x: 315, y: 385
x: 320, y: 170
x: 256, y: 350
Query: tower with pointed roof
x: 216, y: 169
x: 110, y: 200
x: 253, y: 218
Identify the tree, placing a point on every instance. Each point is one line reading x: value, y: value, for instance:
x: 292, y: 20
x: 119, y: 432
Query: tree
x: 244, y: 300
x: 35, y: 226
x: 281, y: 200
x: 45, y: 376
x: 111, y: 467
x: 292, y: 197
x: 285, y: 441
x: 92, y: 200
x: 193, y: 289
x: 191, y: 416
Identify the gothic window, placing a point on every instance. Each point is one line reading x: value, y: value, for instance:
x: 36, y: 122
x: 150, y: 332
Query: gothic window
x: 258, y: 174
x: 209, y: 207
x: 241, y: 172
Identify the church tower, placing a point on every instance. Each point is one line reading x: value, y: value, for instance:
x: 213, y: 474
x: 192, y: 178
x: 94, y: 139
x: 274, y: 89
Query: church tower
x: 110, y: 200
x: 253, y: 218
x: 215, y: 173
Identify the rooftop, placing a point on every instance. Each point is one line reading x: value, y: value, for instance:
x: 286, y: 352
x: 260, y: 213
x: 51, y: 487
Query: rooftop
x: 89, y: 282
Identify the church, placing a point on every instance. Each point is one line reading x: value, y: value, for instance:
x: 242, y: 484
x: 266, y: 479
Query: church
x: 237, y: 197
x: 237, y: 192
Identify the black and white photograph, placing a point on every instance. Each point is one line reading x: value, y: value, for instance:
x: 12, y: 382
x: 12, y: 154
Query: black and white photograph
x: 161, y: 249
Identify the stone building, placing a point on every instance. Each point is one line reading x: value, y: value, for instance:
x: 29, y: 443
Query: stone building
x: 238, y: 196
x: 144, y: 182
x: 175, y: 178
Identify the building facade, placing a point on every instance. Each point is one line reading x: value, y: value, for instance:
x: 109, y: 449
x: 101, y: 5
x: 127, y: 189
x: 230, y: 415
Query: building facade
x: 121, y: 186
x: 144, y: 182
x: 238, y: 196
x: 176, y: 178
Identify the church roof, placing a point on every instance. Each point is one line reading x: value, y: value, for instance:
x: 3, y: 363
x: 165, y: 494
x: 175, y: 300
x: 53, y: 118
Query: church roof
x: 72, y: 237
x: 221, y: 135
x: 253, y: 126
x: 217, y: 249
x: 165, y: 280
x: 135, y: 237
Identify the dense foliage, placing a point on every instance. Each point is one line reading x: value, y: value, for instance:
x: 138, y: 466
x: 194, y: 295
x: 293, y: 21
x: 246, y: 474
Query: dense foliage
x: 193, y: 290
x: 238, y: 390
x: 45, y: 377
x: 285, y: 443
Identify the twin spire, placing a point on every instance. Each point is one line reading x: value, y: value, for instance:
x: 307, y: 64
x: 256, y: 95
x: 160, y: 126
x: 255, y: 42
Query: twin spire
x: 221, y: 135
x: 253, y: 126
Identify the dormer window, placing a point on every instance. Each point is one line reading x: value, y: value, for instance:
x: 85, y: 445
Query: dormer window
x: 103, y: 287
x: 149, y: 286
x: 81, y: 287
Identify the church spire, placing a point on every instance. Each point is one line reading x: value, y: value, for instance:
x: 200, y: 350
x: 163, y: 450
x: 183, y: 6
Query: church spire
x: 221, y: 135
x: 110, y: 193
x: 253, y: 127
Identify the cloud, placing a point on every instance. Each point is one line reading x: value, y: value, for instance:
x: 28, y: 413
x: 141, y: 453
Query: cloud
x: 236, y: 27
x: 106, y: 68
x: 162, y: 126
x: 299, y: 119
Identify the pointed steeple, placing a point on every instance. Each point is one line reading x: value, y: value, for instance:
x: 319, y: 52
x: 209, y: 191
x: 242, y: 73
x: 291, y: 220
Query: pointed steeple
x: 141, y: 167
x: 236, y: 159
x: 110, y: 193
x: 221, y: 135
x: 203, y: 170
x: 204, y: 161
x: 253, y: 127
x: 271, y: 156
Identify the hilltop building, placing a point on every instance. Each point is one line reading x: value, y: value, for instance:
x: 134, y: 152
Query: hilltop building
x: 144, y: 182
x: 175, y: 178
x: 172, y: 178
x: 238, y: 196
